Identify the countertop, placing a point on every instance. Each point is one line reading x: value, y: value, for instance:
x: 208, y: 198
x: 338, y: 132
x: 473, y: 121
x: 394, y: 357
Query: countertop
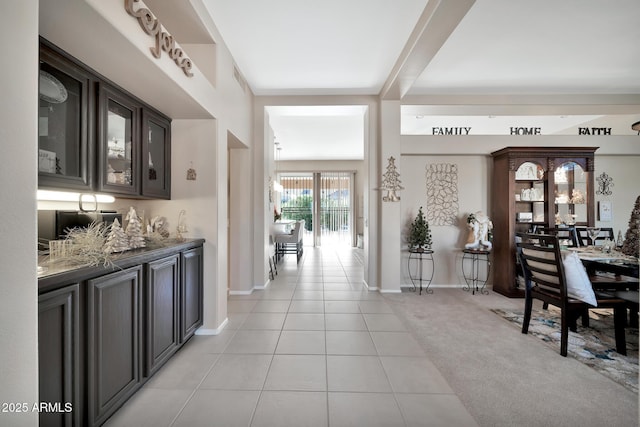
x: 60, y: 272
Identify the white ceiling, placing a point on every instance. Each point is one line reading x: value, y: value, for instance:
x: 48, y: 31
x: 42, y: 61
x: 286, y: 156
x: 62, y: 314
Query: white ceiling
x: 318, y: 132
x: 498, y: 49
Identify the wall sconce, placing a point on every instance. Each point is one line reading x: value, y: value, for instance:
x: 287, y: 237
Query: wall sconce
x: 391, y: 182
x: 636, y: 126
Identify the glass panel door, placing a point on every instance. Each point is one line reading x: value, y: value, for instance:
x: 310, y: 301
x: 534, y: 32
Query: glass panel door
x: 65, y: 132
x: 570, y: 194
x: 119, y: 164
x: 156, y: 155
x: 336, y: 223
x: 324, y: 200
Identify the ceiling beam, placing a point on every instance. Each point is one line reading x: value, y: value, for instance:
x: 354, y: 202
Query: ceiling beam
x: 437, y: 22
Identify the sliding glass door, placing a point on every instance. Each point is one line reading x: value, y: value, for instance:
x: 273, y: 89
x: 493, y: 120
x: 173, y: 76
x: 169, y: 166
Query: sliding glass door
x: 325, y: 201
x: 336, y: 219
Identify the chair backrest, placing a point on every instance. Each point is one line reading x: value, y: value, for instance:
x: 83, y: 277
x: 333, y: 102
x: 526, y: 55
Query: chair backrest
x: 542, y: 263
x: 566, y: 234
x: 605, y: 233
x: 299, y: 228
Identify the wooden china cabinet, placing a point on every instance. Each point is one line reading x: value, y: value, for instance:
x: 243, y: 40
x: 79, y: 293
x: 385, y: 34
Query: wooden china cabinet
x: 536, y: 187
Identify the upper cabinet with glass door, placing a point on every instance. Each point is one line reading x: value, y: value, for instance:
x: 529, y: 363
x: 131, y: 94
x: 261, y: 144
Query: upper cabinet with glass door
x: 65, y: 124
x: 130, y: 139
x: 572, y: 199
x: 119, y: 142
x: 156, y: 155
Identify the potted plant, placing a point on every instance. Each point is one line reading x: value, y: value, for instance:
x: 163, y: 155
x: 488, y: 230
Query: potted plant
x: 419, y: 236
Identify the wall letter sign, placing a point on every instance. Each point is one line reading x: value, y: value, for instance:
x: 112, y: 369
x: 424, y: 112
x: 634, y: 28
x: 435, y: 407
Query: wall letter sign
x: 594, y: 131
x: 164, y: 40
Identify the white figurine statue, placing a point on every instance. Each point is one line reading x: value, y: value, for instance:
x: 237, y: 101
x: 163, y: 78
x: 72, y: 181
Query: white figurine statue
x: 479, y: 226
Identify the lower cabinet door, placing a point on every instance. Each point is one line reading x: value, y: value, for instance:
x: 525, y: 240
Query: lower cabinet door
x: 191, y: 284
x: 162, y: 301
x: 113, y: 337
x: 58, y: 357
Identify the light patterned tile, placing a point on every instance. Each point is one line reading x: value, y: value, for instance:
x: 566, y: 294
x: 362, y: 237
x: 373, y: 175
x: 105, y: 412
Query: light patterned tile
x: 291, y: 409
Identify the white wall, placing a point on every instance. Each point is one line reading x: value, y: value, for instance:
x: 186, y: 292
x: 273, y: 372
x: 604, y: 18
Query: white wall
x: 240, y: 221
x: 473, y: 185
x: 18, y: 260
x: 625, y: 172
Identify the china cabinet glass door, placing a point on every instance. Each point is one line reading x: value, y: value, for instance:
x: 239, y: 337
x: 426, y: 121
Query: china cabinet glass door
x: 570, y: 194
x: 530, y: 195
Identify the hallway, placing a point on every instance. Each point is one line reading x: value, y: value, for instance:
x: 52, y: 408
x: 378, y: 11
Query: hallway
x: 313, y: 349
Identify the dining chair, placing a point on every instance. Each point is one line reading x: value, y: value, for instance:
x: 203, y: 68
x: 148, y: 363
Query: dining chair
x: 291, y: 243
x: 273, y: 258
x: 583, y: 236
x: 567, y: 234
x: 546, y: 280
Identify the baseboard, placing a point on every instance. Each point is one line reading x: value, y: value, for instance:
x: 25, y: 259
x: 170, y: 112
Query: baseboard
x: 263, y: 287
x: 249, y: 292
x: 434, y: 286
x: 203, y: 331
x: 371, y: 288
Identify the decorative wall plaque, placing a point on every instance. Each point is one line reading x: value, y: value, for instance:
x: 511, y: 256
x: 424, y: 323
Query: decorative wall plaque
x: 442, y: 193
x: 164, y: 41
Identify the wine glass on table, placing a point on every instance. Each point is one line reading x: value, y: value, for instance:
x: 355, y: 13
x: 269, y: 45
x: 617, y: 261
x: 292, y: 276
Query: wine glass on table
x: 593, y: 233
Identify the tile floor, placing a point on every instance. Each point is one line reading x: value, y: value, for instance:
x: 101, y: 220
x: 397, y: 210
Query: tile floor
x: 313, y: 349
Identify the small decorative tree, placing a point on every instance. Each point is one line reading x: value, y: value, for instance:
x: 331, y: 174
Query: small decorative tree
x: 391, y: 182
x: 134, y: 230
x: 419, y: 237
x: 117, y: 240
x: 632, y: 237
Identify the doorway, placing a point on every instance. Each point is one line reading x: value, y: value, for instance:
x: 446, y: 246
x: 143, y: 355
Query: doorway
x: 325, y: 201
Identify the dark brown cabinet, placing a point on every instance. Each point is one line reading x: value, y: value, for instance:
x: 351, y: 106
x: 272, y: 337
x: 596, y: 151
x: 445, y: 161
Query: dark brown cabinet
x: 65, y: 122
x: 119, y: 142
x: 103, y: 332
x: 113, y: 351
x: 59, y: 371
x: 191, y: 292
x: 550, y: 187
x: 162, y: 296
x: 156, y: 155
x: 95, y: 136
x: 134, y: 145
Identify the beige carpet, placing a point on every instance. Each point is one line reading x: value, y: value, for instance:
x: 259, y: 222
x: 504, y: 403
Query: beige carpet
x: 595, y: 346
x: 503, y: 377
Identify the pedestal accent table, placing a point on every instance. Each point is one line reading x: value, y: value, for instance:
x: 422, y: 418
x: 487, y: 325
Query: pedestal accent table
x: 421, y: 257
x: 471, y: 275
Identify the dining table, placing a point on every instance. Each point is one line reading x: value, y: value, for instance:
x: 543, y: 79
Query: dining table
x: 613, y: 272
x: 613, y: 262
